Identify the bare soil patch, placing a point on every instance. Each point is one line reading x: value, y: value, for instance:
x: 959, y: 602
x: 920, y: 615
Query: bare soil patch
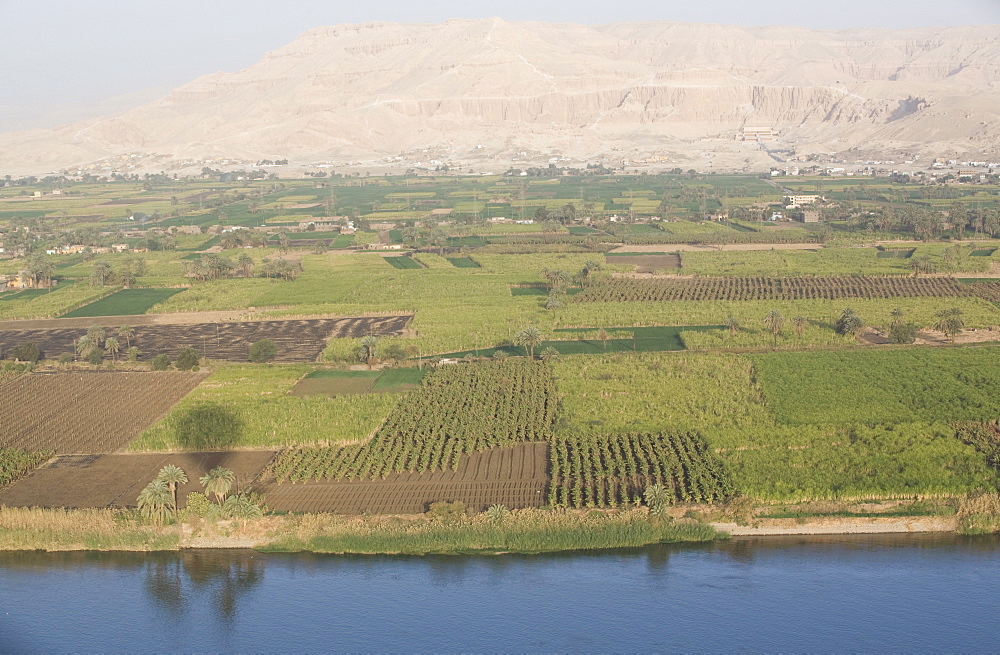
x: 87, y: 411
x: 77, y: 481
x: 935, y: 338
x: 514, y: 477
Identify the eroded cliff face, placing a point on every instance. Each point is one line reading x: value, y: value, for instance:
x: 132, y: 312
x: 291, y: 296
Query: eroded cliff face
x: 378, y: 88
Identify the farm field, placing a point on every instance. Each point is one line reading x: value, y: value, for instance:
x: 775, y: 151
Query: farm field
x: 297, y: 340
x: 607, y: 471
x: 335, y: 382
x: 77, y: 481
x: 16, y: 462
x: 645, y: 262
x: 774, y: 288
x: 889, y: 386
x: 834, y: 456
x: 126, y: 302
x: 87, y: 412
x: 515, y: 477
x: 463, y: 262
x: 403, y: 263
x: 804, y: 414
x: 457, y: 410
x: 249, y: 406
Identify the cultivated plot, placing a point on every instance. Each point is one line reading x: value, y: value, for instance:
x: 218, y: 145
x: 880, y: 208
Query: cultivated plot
x: 87, y: 412
x: 76, y: 481
x: 126, y: 302
x: 514, y: 477
x: 297, y: 340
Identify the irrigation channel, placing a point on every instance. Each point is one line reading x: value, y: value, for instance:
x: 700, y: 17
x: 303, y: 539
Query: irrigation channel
x: 917, y: 593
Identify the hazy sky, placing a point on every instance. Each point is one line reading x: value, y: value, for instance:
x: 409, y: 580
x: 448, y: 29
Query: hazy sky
x: 64, y: 59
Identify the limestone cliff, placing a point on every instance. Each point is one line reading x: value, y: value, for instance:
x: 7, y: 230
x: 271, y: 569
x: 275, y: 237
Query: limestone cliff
x: 380, y: 89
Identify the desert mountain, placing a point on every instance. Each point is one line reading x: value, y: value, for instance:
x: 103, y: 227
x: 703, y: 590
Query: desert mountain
x: 490, y: 89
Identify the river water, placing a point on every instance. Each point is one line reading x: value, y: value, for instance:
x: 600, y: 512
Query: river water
x: 860, y: 593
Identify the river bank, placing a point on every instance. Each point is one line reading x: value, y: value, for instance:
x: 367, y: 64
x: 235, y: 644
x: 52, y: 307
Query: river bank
x: 523, y: 531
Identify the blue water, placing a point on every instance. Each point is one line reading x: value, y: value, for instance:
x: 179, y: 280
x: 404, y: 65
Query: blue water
x: 907, y: 593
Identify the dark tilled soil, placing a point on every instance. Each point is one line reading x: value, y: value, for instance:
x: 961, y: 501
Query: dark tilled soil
x: 77, y: 481
x: 87, y: 411
x: 297, y: 340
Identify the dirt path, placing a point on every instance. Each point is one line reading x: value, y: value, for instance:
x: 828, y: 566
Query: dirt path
x: 690, y: 247
x: 841, y: 526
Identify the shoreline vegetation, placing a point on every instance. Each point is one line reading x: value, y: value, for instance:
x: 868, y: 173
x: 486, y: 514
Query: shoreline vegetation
x: 448, y: 530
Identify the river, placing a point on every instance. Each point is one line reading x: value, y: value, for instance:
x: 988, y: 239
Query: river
x: 857, y: 593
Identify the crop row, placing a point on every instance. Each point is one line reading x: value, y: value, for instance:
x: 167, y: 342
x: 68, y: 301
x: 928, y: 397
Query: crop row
x: 602, y: 471
x: 457, y: 410
x: 772, y: 288
x: 16, y: 462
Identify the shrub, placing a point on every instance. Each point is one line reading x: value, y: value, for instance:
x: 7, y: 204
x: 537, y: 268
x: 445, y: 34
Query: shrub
x: 65, y: 358
x: 903, y: 333
x: 25, y: 352
x: 446, y: 512
x: 187, y: 360
x: 96, y: 357
x: 263, y: 351
x: 197, y: 504
x: 161, y: 362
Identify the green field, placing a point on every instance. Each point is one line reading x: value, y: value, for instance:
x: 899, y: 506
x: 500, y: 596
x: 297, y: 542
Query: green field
x: 126, y: 302
x: 665, y: 393
x: 403, y: 263
x: 333, y: 382
x: 463, y: 262
x: 889, y: 386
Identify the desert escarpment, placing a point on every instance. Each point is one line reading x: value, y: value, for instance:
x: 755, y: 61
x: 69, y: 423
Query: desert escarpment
x: 485, y: 89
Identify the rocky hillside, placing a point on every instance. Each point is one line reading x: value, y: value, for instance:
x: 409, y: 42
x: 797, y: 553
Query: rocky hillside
x: 487, y: 90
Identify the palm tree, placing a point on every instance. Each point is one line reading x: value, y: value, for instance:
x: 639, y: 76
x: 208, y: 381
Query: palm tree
x: 588, y: 269
x: 849, y: 322
x: 133, y: 353
x: 553, y: 302
x: 529, y: 337
x: 172, y: 475
x: 800, y: 323
x: 126, y: 332
x: 155, y: 500
x: 774, y: 322
x: 126, y: 278
x: 245, y: 263
x: 112, y: 347
x: 85, y: 345
x: 950, y: 322
x: 368, y: 349
x: 96, y: 334
x: 733, y: 325
x: 242, y: 508
x: 657, y: 498
x: 218, y: 482
x: 897, y: 317
x: 548, y: 354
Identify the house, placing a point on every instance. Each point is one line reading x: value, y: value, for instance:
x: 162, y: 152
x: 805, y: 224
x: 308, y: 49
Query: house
x: 798, y: 201
x: 119, y: 247
x: 384, y: 246
x: 810, y: 216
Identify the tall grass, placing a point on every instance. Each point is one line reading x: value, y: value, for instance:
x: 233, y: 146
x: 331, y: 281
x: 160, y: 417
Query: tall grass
x: 83, y: 529
x: 523, y: 531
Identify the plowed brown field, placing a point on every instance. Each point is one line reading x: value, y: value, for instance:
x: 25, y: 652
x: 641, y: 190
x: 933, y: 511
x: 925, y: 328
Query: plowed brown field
x: 515, y: 477
x: 76, y: 481
x: 297, y: 340
x: 87, y: 411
